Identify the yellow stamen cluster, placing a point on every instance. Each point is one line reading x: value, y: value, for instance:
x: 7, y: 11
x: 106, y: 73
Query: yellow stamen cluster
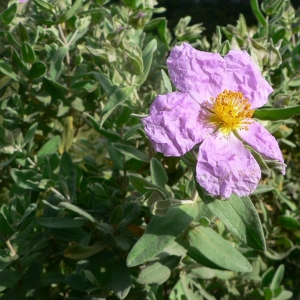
x: 230, y: 111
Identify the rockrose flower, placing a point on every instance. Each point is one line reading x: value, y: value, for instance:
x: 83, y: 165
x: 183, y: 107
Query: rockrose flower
x: 214, y: 109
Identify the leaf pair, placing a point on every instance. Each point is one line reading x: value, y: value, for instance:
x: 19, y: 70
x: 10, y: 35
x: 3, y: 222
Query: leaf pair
x: 205, y: 245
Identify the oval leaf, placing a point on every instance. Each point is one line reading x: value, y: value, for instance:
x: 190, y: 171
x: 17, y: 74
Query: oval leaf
x: 54, y: 222
x: 38, y: 69
x: 131, y: 152
x: 240, y: 217
x: 161, y: 232
x: 121, y: 279
x: 70, y: 12
x: 158, y: 174
x: 211, y: 250
x: 275, y: 114
x: 28, y: 53
x: 118, y: 97
x: 80, y: 252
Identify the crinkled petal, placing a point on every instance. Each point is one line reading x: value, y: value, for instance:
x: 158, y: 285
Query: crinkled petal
x: 263, y: 142
x: 200, y: 74
x: 225, y: 166
x: 174, y: 126
x: 243, y: 75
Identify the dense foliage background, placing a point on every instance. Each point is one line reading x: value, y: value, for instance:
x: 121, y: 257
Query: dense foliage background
x: 88, y: 209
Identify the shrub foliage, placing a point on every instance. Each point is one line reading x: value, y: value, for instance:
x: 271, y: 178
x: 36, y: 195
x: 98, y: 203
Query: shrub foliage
x: 88, y: 209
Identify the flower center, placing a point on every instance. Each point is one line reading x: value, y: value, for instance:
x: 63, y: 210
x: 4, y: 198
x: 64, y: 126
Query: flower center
x: 230, y: 111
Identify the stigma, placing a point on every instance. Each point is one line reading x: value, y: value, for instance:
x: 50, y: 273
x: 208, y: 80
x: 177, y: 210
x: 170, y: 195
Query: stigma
x: 230, y: 111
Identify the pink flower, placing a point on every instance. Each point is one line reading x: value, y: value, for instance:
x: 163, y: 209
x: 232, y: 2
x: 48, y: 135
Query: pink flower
x: 214, y: 109
x: 23, y: 1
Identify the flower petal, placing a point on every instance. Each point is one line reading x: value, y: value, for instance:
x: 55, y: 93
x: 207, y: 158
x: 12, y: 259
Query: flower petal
x: 174, y: 126
x: 243, y: 75
x: 200, y: 74
x: 263, y: 142
x: 225, y: 167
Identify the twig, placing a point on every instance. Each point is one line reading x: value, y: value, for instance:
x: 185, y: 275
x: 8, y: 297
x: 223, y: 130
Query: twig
x: 11, y: 249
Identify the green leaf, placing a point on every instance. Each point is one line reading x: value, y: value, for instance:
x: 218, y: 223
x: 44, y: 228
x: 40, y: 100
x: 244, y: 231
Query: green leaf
x: 49, y: 278
x: 45, y: 5
x: 38, y: 69
x: 131, y: 152
x: 56, y: 64
x: 158, y: 272
x: 30, y: 133
x: 23, y: 33
x: 116, y: 216
x: 166, y: 82
x: 108, y: 55
x: 144, y: 186
x: 268, y: 294
x: 158, y: 174
x: 275, y: 114
x: 160, y: 207
x: 30, y: 287
x: 116, y: 158
x: 6, y: 69
x: 204, y: 272
x: 211, y: 250
x: 29, y: 213
x: 77, y: 210
x: 117, y: 98
x: 121, y: 279
x: 256, y: 11
x: 161, y: 232
x: 285, y: 199
x: 134, y: 60
x: 68, y: 172
x: 21, y: 178
x: 78, y: 283
x: 132, y: 3
x: 262, y: 164
x: 56, y: 222
x: 6, y: 260
x: 28, y: 53
x: 70, y: 12
x: 240, y: 217
x: 267, y: 277
x: 9, y: 14
x: 278, y: 276
x: 258, y: 52
x: 50, y: 147
x: 284, y: 295
x: 132, y: 132
x: 261, y: 188
x: 9, y: 278
x: 105, y: 83
x: 224, y: 48
x: 79, y: 252
x: 275, y: 59
x: 160, y: 24
x: 282, y: 255
x: 147, y: 61
x: 5, y: 227
x: 288, y: 222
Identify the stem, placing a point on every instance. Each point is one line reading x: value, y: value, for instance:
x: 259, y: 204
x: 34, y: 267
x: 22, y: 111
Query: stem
x: 31, y: 162
x: 55, y: 191
x: 73, y: 37
x: 195, y: 195
x: 11, y: 249
x: 65, y: 43
x: 67, y: 55
x: 182, y: 201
